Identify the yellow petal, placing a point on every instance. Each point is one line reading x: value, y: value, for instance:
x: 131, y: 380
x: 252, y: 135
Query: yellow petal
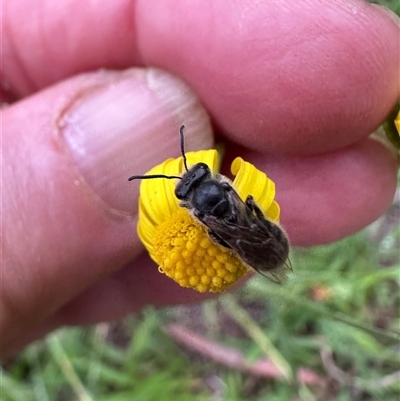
x: 250, y: 181
x: 145, y: 227
x: 209, y: 157
x: 273, y: 212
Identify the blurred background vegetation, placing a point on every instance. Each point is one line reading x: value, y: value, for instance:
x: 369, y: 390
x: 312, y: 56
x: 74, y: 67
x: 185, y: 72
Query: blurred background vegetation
x: 332, y: 332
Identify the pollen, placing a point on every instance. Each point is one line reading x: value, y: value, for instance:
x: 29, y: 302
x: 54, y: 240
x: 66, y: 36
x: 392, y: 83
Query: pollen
x: 187, y: 255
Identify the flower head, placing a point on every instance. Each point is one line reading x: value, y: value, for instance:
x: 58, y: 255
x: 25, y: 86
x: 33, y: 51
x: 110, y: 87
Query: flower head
x: 178, y: 243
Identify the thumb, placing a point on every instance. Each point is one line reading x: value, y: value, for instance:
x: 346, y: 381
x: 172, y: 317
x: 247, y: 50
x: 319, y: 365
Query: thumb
x: 70, y: 213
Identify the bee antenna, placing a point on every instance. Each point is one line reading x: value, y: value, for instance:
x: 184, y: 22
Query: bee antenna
x: 168, y: 177
x: 148, y: 177
x: 183, y: 147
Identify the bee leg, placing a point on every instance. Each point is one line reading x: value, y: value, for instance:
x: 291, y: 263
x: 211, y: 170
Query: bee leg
x: 186, y: 205
x: 274, y: 228
x: 218, y: 240
x: 254, y: 208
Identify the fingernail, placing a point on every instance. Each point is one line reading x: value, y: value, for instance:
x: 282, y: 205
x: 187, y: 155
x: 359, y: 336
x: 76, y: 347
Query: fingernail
x: 126, y: 125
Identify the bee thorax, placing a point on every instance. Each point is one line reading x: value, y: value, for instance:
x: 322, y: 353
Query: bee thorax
x: 210, y: 198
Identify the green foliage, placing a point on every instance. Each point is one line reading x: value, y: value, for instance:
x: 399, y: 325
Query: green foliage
x: 81, y: 364
x: 389, y: 126
x: 393, y: 5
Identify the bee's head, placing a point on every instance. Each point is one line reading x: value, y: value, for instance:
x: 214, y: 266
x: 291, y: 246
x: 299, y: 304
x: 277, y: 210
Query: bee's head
x: 191, y: 180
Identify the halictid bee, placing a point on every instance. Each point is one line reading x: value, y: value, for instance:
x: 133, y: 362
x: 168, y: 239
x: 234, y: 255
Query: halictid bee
x: 230, y: 222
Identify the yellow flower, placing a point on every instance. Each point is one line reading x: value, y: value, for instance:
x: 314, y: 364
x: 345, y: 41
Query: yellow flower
x: 179, y: 244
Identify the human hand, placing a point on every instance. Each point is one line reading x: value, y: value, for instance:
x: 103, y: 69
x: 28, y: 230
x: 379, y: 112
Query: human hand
x: 295, y: 87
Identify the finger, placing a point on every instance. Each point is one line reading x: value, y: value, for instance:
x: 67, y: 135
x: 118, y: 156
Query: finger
x: 290, y: 76
x: 67, y: 155
x: 298, y: 77
x: 127, y: 290
x: 326, y: 198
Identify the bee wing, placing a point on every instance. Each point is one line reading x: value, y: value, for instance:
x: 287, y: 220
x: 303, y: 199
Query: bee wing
x: 259, y: 243
x: 253, y: 243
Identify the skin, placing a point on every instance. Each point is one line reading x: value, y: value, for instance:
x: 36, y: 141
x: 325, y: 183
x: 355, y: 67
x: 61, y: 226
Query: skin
x: 295, y: 87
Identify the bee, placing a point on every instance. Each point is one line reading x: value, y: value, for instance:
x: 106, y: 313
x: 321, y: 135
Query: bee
x: 239, y: 226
